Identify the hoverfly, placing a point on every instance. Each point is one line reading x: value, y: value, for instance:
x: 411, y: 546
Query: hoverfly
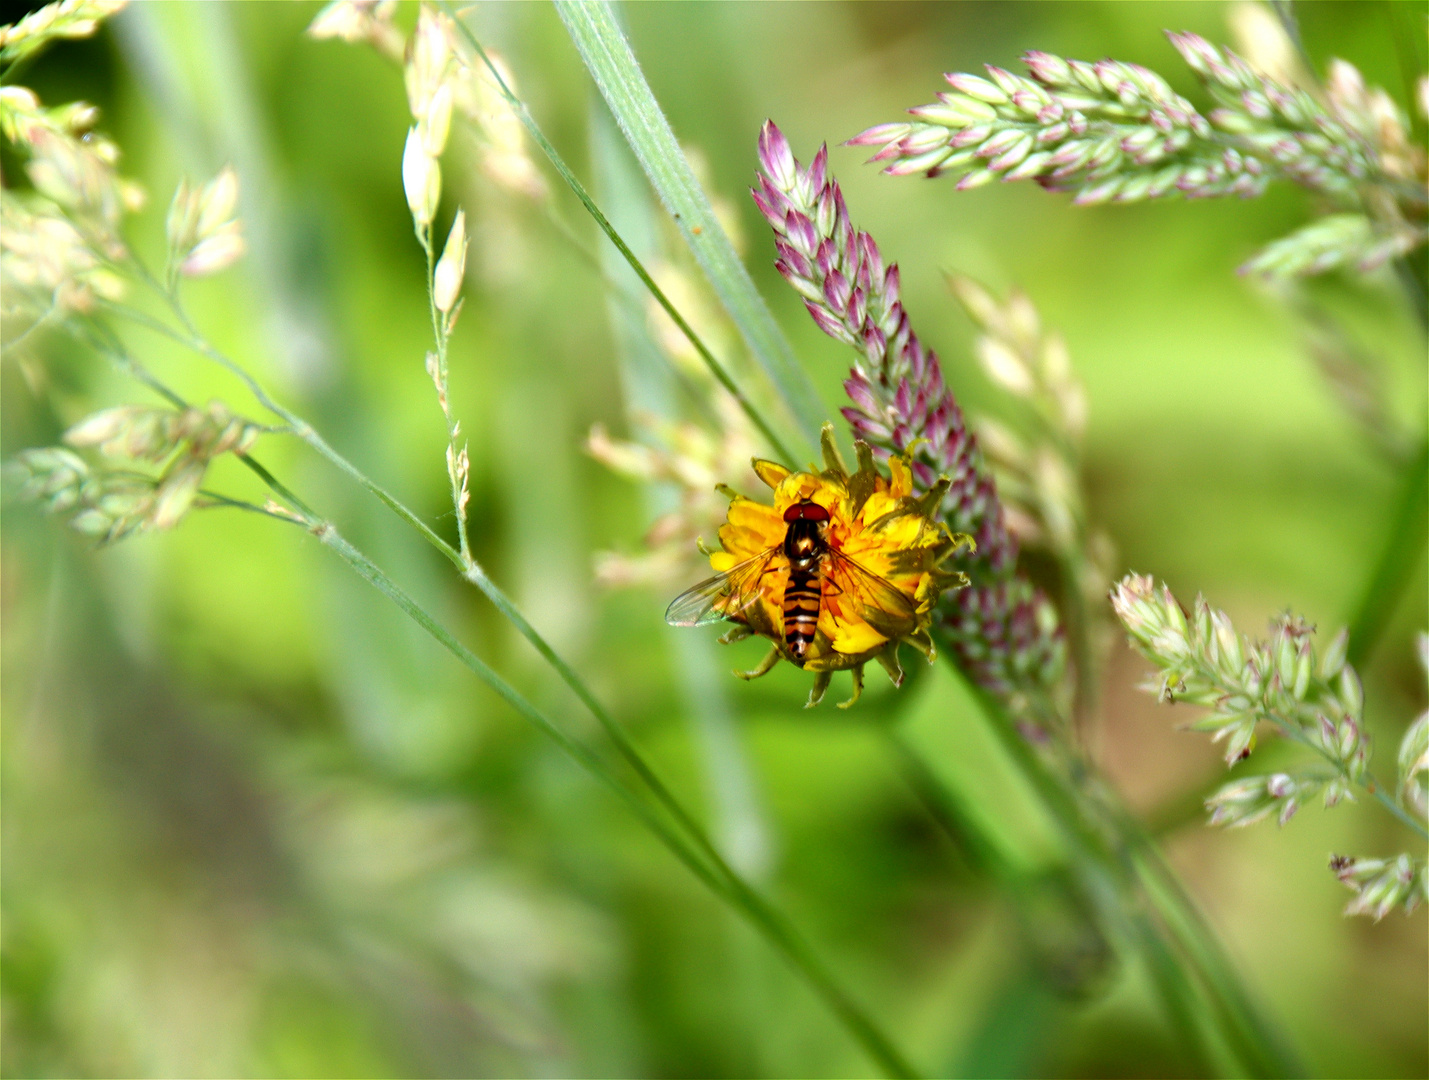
x: 818, y: 572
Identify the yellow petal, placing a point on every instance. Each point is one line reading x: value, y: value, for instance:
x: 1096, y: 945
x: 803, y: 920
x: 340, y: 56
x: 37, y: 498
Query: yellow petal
x: 902, y: 484
x: 772, y: 473
x: 852, y: 636
x: 877, y: 506
x: 720, y: 561
x: 742, y: 541
x: 760, y: 519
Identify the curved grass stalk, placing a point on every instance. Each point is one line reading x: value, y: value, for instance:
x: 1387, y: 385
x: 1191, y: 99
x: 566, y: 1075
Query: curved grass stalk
x: 538, y: 136
x: 720, y: 879
x: 714, y: 873
x: 703, y: 858
x: 592, y: 27
x: 470, y: 569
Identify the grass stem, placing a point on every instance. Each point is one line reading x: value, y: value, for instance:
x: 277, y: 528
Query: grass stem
x: 704, y: 858
x: 607, y: 55
x: 716, y: 368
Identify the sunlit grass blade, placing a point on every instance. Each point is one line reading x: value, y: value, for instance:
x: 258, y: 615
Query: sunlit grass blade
x: 607, y: 55
x: 573, y: 182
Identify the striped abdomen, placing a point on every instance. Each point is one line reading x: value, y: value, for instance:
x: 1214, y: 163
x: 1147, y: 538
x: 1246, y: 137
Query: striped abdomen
x: 802, y: 597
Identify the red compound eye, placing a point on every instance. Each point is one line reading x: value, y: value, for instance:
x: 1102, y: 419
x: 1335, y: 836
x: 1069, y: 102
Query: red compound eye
x: 806, y: 511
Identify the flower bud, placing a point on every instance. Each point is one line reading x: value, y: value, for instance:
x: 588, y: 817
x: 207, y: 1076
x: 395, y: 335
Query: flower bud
x: 436, y: 125
x: 1005, y: 367
x: 176, y: 493
x: 217, y: 202
x: 976, y: 88
x: 179, y: 227
x: 451, y: 268
x: 216, y: 252
x: 421, y: 179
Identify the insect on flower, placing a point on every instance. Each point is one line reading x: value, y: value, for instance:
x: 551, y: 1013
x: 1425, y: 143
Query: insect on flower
x: 840, y: 570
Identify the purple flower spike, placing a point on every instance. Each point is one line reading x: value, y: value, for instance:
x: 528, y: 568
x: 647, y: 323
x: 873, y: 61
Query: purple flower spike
x: 1005, y: 633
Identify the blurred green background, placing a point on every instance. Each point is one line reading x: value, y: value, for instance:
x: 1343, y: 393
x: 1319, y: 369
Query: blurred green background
x: 256, y: 823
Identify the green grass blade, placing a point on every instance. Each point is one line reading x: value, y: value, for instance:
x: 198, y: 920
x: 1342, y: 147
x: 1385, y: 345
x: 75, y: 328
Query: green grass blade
x: 579, y: 190
x: 690, y: 844
x: 703, y: 860
x: 648, y: 385
x: 607, y: 55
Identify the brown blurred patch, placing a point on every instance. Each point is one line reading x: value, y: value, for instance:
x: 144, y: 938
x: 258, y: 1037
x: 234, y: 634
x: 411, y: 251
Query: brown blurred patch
x: 1152, y: 764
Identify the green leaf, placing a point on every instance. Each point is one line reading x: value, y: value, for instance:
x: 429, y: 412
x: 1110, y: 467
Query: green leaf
x: 608, y: 57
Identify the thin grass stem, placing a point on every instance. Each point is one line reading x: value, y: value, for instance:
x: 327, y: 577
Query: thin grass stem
x: 1365, y: 780
x: 208, y: 500
x: 716, y: 873
x: 593, y: 28
x: 705, y: 859
x: 716, y: 368
x: 441, y: 337
x: 20, y: 338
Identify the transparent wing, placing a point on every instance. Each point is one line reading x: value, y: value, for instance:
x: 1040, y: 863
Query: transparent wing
x: 739, y: 586
x: 870, y: 592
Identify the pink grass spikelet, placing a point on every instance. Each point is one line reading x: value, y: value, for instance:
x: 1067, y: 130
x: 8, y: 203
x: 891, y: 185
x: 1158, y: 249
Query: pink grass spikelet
x: 1114, y: 131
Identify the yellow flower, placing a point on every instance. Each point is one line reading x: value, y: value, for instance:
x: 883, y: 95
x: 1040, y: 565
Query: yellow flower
x: 878, y: 572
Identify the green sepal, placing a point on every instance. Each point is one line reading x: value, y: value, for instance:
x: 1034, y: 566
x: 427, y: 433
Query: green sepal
x: 728, y: 492
x: 833, y: 460
x: 943, y: 580
x: 888, y: 657
x: 820, y: 687
x: 765, y: 666
x: 931, y: 501
x: 857, y: 674
x: 923, y: 642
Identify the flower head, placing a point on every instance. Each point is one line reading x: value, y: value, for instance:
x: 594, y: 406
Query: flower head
x: 875, y: 577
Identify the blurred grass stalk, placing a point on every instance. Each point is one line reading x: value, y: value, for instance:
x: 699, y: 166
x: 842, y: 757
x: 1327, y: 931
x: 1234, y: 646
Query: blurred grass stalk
x: 679, y: 831
x: 648, y: 387
x: 607, y: 56
x: 1117, y: 864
